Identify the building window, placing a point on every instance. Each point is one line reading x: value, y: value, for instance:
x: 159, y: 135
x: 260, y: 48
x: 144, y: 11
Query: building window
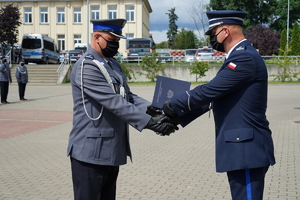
x: 129, y: 35
x: 112, y: 12
x: 61, y: 42
x: 77, y: 15
x: 77, y: 39
x: 95, y: 12
x: 44, y: 15
x: 60, y: 15
x: 27, y: 15
x: 130, y: 13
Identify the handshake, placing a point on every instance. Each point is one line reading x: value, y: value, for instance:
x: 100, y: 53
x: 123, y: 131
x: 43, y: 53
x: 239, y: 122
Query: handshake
x: 162, y: 124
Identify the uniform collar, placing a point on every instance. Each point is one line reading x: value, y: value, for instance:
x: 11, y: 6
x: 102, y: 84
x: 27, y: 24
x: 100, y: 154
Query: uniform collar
x: 229, y: 52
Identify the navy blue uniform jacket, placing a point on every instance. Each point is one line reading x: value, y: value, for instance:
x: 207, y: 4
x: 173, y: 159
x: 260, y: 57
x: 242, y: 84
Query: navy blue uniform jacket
x: 238, y: 94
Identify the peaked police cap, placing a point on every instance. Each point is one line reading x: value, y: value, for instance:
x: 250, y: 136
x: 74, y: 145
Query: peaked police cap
x: 216, y: 18
x: 112, y: 26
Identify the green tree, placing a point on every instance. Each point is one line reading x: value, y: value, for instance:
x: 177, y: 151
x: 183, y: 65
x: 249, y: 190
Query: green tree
x: 129, y: 73
x: 172, y: 27
x: 282, y: 42
x: 259, y: 11
x: 185, y: 39
x: 286, y: 72
x: 151, y: 65
x: 294, y: 44
x: 9, y: 23
x: 162, y: 45
x: 281, y: 14
x: 199, y: 68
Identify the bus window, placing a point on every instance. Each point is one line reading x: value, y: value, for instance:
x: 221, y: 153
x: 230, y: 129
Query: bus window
x: 31, y: 43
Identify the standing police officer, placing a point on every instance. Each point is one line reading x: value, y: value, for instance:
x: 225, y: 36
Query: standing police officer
x: 5, y: 79
x: 103, y: 108
x: 238, y: 94
x: 22, y: 79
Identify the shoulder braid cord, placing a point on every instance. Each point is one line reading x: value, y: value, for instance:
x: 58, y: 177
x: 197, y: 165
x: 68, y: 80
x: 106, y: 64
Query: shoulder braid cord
x: 108, y: 79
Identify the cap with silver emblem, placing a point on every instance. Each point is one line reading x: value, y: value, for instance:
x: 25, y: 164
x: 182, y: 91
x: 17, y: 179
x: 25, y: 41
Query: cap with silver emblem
x: 112, y: 26
x: 219, y: 17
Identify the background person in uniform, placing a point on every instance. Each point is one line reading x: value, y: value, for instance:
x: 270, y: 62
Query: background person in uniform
x: 5, y: 79
x: 99, y: 139
x: 238, y: 93
x: 22, y: 79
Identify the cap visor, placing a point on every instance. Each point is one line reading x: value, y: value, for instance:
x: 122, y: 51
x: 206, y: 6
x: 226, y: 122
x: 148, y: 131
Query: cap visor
x: 120, y: 36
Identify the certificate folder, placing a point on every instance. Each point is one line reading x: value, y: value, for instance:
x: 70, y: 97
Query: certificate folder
x: 166, y: 88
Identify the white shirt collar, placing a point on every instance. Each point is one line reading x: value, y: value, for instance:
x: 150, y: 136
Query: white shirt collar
x: 229, y: 52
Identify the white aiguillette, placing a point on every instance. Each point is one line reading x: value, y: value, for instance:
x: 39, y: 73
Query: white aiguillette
x: 166, y: 88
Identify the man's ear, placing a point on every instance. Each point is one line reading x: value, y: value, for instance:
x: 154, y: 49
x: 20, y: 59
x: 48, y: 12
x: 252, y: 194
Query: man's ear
x: 96, y: 37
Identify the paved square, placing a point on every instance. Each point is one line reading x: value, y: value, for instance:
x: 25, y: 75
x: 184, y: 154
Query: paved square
x: 34, y: 137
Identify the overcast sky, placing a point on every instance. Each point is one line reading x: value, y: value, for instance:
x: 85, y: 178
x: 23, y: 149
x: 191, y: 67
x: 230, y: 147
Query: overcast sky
x: 159, y: 20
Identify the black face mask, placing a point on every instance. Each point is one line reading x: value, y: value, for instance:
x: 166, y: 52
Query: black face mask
x: 4, y: 60
x: 215, y: 44
x: 111, y: 48
x: 22, y: 64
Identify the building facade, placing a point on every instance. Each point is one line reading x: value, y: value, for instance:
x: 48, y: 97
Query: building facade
x: 68, y: 22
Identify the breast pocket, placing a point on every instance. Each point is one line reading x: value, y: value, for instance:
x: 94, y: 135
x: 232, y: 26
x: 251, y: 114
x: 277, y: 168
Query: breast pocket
x: 239, y: 135
x: 98, y: 144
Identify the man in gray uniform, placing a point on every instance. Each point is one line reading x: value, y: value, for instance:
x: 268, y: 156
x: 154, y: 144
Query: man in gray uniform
x: 103, y: 108
x: 5, y: 79
x: 22, y: 79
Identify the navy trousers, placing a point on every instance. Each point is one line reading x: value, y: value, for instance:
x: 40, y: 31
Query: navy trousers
x: 93, y: 182
x: 4, y: 90
x: 247, y: 184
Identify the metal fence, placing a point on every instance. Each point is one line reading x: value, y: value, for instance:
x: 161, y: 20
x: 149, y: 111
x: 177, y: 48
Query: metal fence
x: 295, y: 60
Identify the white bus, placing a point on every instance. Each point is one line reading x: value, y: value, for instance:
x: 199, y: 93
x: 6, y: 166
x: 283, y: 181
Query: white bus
x: 81, y: 46
x: 39, y: 48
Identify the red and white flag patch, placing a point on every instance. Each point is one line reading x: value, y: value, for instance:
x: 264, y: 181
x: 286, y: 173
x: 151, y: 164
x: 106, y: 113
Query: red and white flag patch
x: 231, y: 65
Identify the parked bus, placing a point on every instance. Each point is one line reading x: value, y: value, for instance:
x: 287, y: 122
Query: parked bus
x: 39, y: 48
x: 81, y: 46
x: 138, y: 47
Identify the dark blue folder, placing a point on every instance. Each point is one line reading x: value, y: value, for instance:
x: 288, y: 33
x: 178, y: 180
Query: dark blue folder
x: 166, y: 88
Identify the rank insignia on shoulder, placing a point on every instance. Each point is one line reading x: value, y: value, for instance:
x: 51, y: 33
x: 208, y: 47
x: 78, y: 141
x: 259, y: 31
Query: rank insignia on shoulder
x: 90, y: 56
x: 231, y: 65
x: 239, y: 48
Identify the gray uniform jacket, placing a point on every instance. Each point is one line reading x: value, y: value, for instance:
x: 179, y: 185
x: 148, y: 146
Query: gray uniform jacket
x: 22, y: 74
x: 5, y: 72
x: 104, y: 141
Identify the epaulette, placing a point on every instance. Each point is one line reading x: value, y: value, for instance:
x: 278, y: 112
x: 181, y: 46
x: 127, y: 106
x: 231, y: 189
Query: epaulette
x: 89, y: 56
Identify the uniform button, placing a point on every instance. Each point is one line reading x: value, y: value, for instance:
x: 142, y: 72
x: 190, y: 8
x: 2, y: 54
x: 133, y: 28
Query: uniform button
x: 182, y: 111
x: 237, y: 139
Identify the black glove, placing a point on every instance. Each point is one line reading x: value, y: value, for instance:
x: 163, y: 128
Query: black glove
x: 153, y: 111
x: 168, y: 110
x: 161, y: 126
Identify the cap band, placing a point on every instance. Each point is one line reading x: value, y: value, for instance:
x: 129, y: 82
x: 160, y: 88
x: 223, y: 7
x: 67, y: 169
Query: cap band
x: 237, y: 18
x: 99, y: 27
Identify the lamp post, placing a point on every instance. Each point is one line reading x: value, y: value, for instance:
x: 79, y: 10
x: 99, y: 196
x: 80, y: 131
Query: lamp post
x: 287, y: 26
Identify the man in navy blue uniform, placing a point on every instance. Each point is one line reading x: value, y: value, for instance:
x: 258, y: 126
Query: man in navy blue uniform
x: 238, y: 97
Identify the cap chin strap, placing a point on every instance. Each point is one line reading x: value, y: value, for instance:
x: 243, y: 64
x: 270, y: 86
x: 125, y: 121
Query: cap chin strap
x: 109, y: 81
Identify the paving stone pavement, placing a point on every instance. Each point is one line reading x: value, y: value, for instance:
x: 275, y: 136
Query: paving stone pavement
x: 34, y: 166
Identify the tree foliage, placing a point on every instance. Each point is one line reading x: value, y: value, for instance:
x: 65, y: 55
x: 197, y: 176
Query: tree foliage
x: 259, y: 11
x: 185, y: 39
x: 151, y: 65
x: 264, y: 39
x: 172, y: 26
x: 271, y: 12
x: 294, y: 44
x: 199, y: 68
x: 286, y: 73
x: 282, y: 42
x: 9, y: 23
x: 281, y: 14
